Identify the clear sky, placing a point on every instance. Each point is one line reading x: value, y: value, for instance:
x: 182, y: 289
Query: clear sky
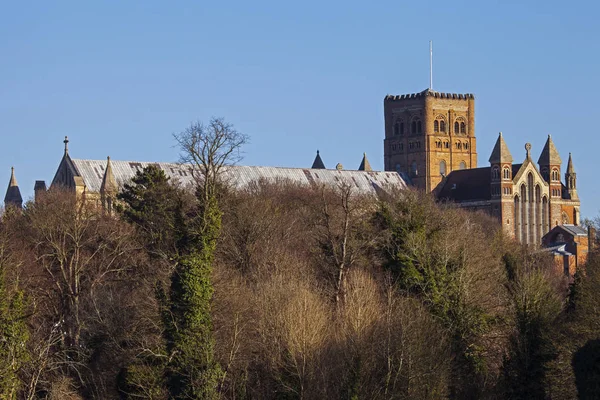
x: 119, y: 77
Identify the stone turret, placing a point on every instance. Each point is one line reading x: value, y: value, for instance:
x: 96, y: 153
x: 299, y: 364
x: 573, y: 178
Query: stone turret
x: 550, y: 163
x: 109, y: 188
x: 500, y: 153
x: 571, y: 180
x: 13, y: 194
x: 39, y: 189
x: 318, y: 163
x: 364, y: 164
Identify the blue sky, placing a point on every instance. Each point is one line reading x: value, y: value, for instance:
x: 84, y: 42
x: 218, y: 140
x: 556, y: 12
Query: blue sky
x: 119, y: 77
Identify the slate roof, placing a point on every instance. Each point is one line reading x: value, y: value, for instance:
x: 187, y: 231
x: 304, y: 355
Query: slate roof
x: 318, y: 163
x: 574, y: 230
x: 13, y: 194
x: 364, y: 164
x: 92, y: 172
x: 469, y: 184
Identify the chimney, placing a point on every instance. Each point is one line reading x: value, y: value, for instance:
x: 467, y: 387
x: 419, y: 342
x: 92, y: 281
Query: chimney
x: 38, y: 189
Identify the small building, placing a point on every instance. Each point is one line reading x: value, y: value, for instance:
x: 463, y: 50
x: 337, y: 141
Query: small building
x: 569, y: 244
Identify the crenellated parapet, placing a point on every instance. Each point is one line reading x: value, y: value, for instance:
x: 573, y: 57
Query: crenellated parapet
x: 432, y: 93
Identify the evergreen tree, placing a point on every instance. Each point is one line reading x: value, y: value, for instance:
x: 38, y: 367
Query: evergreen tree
x: 13, y: 337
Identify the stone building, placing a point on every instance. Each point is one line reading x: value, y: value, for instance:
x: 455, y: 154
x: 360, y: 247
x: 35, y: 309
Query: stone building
x: 430, y: 140
x: 99, y: 181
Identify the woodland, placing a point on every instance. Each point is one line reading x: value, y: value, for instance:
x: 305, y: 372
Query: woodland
x: 279, y: 291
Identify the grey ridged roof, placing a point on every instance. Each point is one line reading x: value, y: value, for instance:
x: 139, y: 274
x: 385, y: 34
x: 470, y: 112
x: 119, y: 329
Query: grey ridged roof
x: 92, y: 172
x: 549, y: 154
x: 574, y: 230
x: 500, y: 154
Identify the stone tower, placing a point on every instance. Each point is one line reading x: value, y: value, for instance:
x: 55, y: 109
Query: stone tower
x: 501, y: 185
x: 428, y: 135
x: 549, y: 163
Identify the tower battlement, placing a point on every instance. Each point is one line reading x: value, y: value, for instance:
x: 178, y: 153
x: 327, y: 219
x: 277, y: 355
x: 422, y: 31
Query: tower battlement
x: 432, y: 93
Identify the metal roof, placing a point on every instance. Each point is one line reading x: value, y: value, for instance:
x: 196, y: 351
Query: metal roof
x: 366, y: 182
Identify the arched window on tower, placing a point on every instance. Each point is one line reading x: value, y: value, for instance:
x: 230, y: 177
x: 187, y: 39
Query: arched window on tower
x: 396, y: 128
x: 443, y: 168
x: 462, y: 165
x: 413, y: 169
x: 495, y: 173
x: 419, y: 127
x: 413, y: 127
x: 456, y: 127
x: 555, y: 175
x: 463, y: 127
x: 436, y: 126
x: 442, y: 126
x: 506, y: 173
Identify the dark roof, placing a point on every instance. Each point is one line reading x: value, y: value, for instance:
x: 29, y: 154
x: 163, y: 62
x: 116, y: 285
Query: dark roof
x: 574, y: 230
x: 364, y: 164
x: 469, y: 184
x: 318, y: 163
x: 549, y: 154
x: 500, y: 153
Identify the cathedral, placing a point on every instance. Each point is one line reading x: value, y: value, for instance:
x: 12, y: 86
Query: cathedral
x: 430, y: 141
x: 429, y: 144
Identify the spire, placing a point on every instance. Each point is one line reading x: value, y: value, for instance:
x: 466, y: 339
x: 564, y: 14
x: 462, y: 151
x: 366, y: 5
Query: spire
x: 109, y: 183
x: 500, y: 154
x: 571, y: 180
x: 549, y: 154
x: 364, y: 164
x: 318, y: 163
x: 13, y: 194
x: 66, y: 142
x: 570, y: 168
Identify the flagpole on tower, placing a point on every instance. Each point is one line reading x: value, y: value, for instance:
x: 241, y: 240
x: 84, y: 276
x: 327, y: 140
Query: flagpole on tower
x: 430, y: 65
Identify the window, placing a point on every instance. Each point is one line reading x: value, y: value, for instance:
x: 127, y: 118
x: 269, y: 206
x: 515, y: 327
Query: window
x: 463, y: 128
x: 495, y: 173
x: 506, y: 173
x: 442, y: 126
x: 447, y: 145
x: 438, y: 144
x: 413, y: 169
x: 457, y: 145
x: 396, y: 129
x: 555, y: 175
x: 413, y: 127
x: 462, y: 165
x: 466, y: 146
x: 436, y: 126
x: 419, y: 127
x: 443, y: 168
x: 418, y: 145
x: 401, y: 146
x: 456, y: 127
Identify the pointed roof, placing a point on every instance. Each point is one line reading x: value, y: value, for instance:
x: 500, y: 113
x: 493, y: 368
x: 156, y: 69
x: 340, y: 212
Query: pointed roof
x: 318, y: 163
x: 500, y: 154
x: 109, y: 183
x: 364, y: 164
x: 13, y: 194
x: 549, y: 154
x: 570, y: 168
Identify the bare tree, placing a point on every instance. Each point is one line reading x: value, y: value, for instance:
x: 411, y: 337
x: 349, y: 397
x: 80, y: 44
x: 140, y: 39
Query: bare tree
x: 207, y: 149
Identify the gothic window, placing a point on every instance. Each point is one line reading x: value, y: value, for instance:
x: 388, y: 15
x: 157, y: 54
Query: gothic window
x: 466, y: 146
x: 463, y: 128
x: 447, y: 145
x: 442, y: 126
x: 458, y: 146
x: 495, y: 173
x: 438, y: 144
x: 505, y: 173
x: 436, y: 126
x: 555, y: 175
x: 419, y: 127
x: 462, y: 165
x: 413, y: 169
x: 456, y: 127
x: 413, y: 127
x: 443, y: 168
x: 418, y: 145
